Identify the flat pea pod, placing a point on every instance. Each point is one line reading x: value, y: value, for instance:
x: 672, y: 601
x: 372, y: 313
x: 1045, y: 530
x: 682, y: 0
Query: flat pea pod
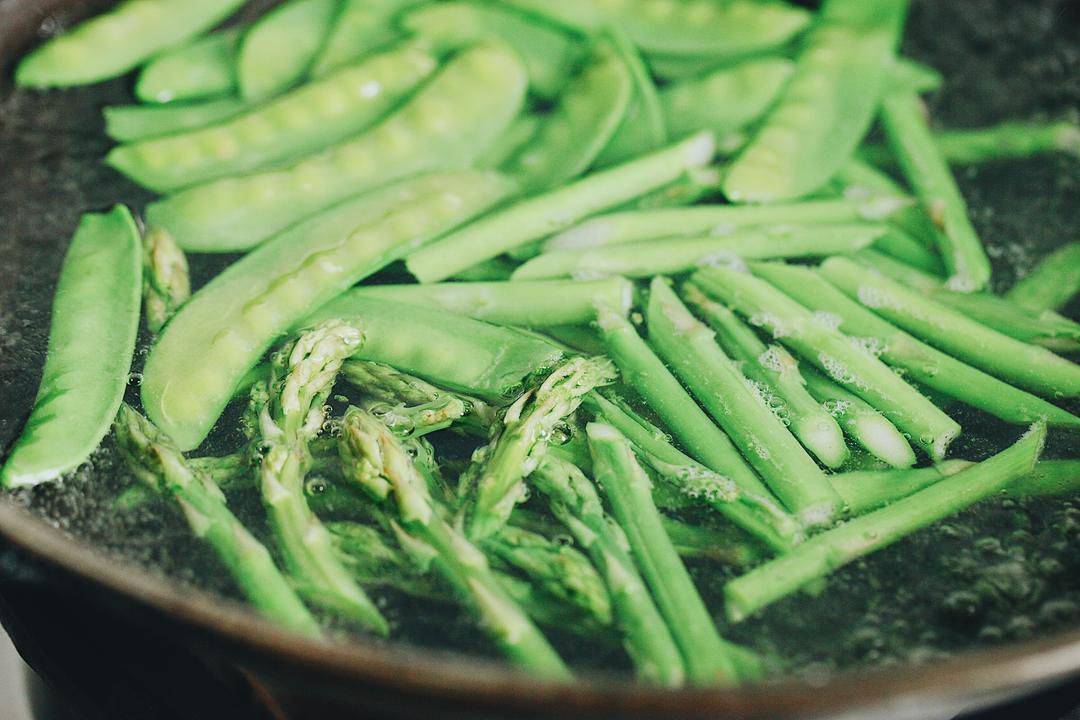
x: 128, y: 123
x: 682, y: 27
x: 202, y: 69
x: 223, y: 330
x: 644, y: 128
x: 278, y: 49
x: 585, y: 118
x: 95, y: 319
x: 436, y: 129
x: 550, y: 53
x: 361, y: 27
x: 726, y: 100
x: 826, y: 108
x: 519, y: 132
x: 290, y: 127
x: 114, y: 42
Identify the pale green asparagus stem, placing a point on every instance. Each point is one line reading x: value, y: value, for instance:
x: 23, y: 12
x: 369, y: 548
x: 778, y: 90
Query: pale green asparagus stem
x: 1004, y: 141
x: 1052, y: 283
x: 866, y: 490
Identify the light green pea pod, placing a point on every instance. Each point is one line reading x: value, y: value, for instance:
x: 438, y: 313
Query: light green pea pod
x: 451, y: 121
x: 279, y: 48
x: 511, y: 141
x: 676, y: 68
x: 361, y: 27
x: 726, y: 100
x: 127, y: 123
x: 549, y: 52
x: 298, y: 123
x: 119, y: 40
x: 203, y: 69
x: 682, y: 27
x: 827, y: 107
x: 585, y: 119
x: 643, y: 129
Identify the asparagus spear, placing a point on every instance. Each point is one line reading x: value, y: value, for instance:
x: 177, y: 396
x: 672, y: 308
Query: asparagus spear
x: 574, y: 501
x: 159, y: 465
x: 866, y: 490
x: 822, y: 554
x: 421, y: 525
x: 689, y: 348
x: 290, y: 414
x: 1052, y: 283
x: 825, y: 347
x: 166, y: 284
x: 496, y: 475
x: 776, y: 374
x: 928, y: 366
x: 1028, y: 366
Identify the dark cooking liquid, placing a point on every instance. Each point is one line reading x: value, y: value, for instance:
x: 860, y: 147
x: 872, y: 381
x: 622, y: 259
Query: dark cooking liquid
x: 1002, y: 571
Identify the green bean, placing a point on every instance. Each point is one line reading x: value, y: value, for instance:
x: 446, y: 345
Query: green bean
x: 586, y: 116
x: 541, y: 215
x: 822, y: 554
x: 359, y: 28
x: 1028, y: 366
x: 676, y: 27
x: 95, y: 318
x: 1051, y: 283
x: 434, y: 130
x: 898, y: 244
x: 827, y: 106
x: 201, y: 69
x: 127, y: 123
x: 910, y: 75
x: 904, y: 120
x: 279, y: 48
x: 222, y: 331
x: 695, y: 184
x: 312, y: 117
x: 117, y: 41
x: 643, y: 127
x: 1005, y: 141
x: 683, y: 254
x: 550, y: 53
x: 825, y: 347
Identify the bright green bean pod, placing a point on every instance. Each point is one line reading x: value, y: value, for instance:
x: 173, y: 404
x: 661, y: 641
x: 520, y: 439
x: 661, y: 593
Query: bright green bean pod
x: 203, y: 353
x: 359, y: 28
x: 1052, y: 283
x: 643, y: 127
x: 95, y: 318
x: 312, y: 117
x: 279, y: 48
x: 827, y: 106
x: 434, y: 130
x: 117, y: 41
x: 128, y: 123
x: 199, y: 70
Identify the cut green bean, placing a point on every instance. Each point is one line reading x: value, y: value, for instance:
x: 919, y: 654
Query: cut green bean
x: 586, y: 116
x: 823, y: 346
x: 683, y: 254
x: 776, y: 377
x: 128, y: 123
x: 1027, y: 366
x: 643, y: 127
x: 279, y: 48
x: 434, y: 130
x: 312, y: 117
x: 826, y: 108
x: 824, y: 553
x: 119, y: 40
x: 361, y: 27
x: 202, y: 69
x: 1005, y: 141
x: 95, y: 318
x: 919, y: 361
x: 1051, y: 283
x: 541, y: 215
x: 868, y: 490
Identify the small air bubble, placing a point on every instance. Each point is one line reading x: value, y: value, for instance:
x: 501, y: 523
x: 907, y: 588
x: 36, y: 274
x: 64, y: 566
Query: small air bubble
x: 135, y: 379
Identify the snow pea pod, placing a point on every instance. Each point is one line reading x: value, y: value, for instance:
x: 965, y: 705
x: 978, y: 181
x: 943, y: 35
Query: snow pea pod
x: 360, y: 27
x: 827, y: 106
x: 313, y: 116
x: 549, y: 52
x: 128, y: 123
x: 279, y: 48
x: 204, y: 352
x: 682, y: 27
x: 436, y: 129
x: 585, y: 119
x: 201, y: 69
x: 95, y: 319
x: 643, y: 128
x: 119, y: 40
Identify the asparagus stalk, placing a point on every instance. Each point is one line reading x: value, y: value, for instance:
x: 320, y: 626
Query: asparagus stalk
x: 689, y: 348
x: 166, y: 283
x: 160, y: 466
x: 1028, y: 366
x: 1003, y: 141
x: 1052, y: 283
x: 290, y: 415
x: 822, y: 554
x: 900, y: 244
x: 1050, y: 478
x: 825, y: 347
x: 858, y: 179
x: 925, y: 364
x: 866, y: 490
x: 776, y: 374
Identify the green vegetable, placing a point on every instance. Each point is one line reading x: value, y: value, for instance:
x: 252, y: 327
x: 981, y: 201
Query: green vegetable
x: 95, y: 318
x: 868, y: 490
x: 201, y: 69
x: 128, y: 123
x: 361, y: 26
x: 1004, y: 141
x: 914, y: 76
x: 166, y: 283
x: 643, y: 128
x: 279, y: 48
x: 1051, y: 283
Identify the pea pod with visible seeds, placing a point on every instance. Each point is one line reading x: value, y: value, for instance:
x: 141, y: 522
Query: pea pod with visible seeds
x: 128, y: 123
x: 203, y: 69
x: 290, y: 127
x: 117, y: 41
x: 95, y: 319
x: 279, y: 48
x: 361, y: 27
x: 643, y: 128
x: 436, y: 129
